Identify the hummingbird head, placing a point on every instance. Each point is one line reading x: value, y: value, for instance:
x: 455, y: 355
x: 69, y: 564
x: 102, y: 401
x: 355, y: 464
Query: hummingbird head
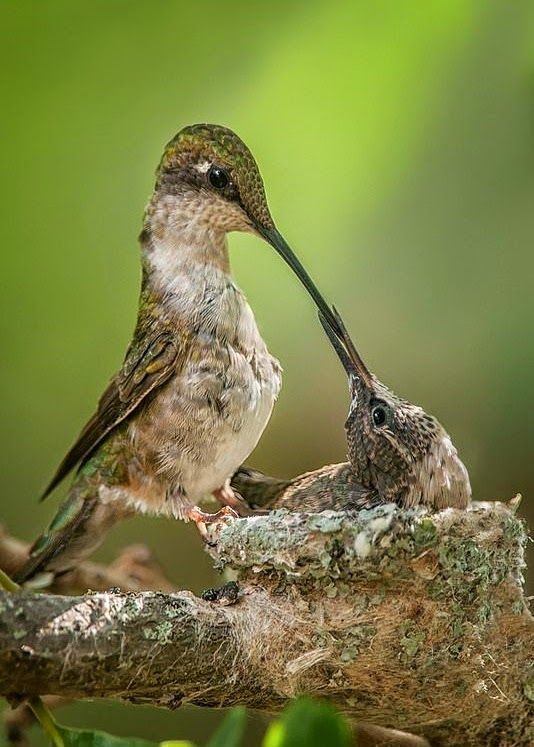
x: 208, y: 181
x: 211, y: 170
x: 396, y: 449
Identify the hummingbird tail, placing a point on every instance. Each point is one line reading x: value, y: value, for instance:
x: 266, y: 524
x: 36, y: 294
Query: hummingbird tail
x: 257, y: 489
x: 65, y: 542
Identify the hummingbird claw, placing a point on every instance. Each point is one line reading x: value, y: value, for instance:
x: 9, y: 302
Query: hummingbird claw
x: 202, y: 520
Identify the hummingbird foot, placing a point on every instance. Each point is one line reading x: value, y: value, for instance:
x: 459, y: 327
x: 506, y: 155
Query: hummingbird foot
x: 202, y: 520
x: 230, y: 497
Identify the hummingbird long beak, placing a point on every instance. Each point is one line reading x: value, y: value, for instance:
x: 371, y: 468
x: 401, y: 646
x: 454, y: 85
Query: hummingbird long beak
x: 277, y: 241
x: 329, y: 317
x: 345, y: 348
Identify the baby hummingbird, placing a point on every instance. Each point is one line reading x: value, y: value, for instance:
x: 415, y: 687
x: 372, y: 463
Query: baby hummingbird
x: 197, y: 385
x: 397, y: 452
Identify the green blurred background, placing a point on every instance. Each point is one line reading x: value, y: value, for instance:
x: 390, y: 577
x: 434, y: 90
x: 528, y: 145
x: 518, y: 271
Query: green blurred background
x: 396, y: 140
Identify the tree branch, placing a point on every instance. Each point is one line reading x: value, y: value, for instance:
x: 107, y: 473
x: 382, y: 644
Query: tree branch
x: 135, y: 569
x: 398, y: 617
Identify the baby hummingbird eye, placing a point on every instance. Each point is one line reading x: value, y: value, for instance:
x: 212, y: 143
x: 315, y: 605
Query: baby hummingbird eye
x: 379, y: 415
x: 218, y: 177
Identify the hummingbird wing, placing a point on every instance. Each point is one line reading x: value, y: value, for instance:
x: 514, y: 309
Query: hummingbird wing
x: 257, y: 489
x: 149, y: 362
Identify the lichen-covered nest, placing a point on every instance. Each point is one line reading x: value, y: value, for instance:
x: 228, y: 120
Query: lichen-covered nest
x: 404, y: 618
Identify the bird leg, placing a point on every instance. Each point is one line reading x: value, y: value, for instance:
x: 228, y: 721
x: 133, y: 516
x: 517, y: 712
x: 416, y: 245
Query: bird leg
x: 230, y: 497
x: 202, y: 519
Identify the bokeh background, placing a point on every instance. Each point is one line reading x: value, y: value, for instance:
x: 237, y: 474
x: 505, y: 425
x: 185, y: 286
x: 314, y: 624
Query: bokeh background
x: 397, y: 145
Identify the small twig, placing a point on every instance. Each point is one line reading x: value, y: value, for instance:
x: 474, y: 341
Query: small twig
x: 18, y: 720
x: 44, y: 717
x: 369, y: 735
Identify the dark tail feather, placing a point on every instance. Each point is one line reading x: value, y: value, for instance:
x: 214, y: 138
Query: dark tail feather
x: 66, y: 528
x: 32, y: 567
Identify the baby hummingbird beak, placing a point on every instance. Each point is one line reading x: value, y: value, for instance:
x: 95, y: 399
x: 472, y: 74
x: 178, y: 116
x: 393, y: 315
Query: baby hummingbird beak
x: 338, y: 335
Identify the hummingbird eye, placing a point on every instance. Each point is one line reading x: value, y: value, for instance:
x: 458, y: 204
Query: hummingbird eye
x: 218, y: 177
x: 379, y: 415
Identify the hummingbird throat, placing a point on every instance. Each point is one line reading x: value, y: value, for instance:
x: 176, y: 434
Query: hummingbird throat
x: 177, y: 238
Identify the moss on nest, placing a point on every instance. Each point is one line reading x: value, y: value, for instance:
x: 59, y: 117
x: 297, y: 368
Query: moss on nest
x: 482, y: 545
x: 423, y: 603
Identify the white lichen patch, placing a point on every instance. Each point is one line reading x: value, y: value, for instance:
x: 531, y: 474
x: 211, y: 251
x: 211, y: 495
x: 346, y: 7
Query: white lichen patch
x: 375, y: 530
x: 382, y: 523
x: 362, y: 545
x: 81, y: 619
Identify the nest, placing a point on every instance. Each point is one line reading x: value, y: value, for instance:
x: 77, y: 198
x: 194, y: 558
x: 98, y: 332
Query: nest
x: 402, y: 618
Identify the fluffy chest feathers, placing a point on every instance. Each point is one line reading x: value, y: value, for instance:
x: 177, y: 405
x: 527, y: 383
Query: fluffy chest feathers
x: 208, y: 417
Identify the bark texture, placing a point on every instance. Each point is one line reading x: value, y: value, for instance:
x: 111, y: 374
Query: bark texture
x: 401, y: 618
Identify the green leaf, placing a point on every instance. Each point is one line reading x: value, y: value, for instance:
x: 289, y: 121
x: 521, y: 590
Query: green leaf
x: 89, y: 738
x: 308, y: 724
x: 230, y: 733
x: 7, y: 584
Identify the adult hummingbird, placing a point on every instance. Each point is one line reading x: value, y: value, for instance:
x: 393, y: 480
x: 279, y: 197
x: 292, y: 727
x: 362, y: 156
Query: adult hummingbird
x: 397, y: 452
x: 197, y: 386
